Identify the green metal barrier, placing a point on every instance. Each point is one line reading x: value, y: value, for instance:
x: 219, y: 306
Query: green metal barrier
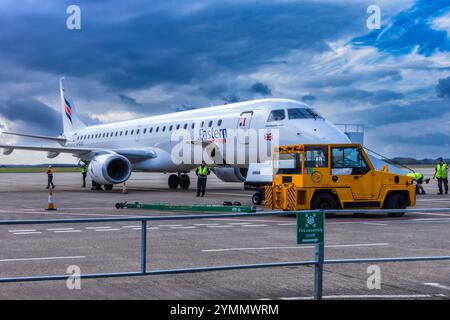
x: 194, y: 207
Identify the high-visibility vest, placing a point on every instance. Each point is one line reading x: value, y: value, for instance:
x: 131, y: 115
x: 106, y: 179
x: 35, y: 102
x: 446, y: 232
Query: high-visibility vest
x: 441, y: 171
x: 415, y: 175
x: 83, y: 169
x: 202, y: 170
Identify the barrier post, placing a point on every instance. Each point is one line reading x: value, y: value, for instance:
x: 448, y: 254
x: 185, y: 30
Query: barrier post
x: 318, y: 271
x: 144, y: 246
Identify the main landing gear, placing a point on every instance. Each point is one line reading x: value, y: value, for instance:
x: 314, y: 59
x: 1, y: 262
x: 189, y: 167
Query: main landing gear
x: 181, y: 180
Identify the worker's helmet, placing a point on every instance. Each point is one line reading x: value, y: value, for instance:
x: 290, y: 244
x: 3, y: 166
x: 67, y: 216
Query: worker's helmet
x: 440, y: 159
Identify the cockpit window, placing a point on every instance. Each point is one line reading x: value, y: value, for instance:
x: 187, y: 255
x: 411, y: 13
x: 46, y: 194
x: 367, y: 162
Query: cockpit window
x: 276, y: 115
x: 303, y: 113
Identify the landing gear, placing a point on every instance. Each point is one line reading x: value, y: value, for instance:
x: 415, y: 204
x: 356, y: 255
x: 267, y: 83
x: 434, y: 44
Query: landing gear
x: 96, y: 186
x: 109, y: 186
x: 185, y: 181
x: 174, y: 181
x: 181, y: 180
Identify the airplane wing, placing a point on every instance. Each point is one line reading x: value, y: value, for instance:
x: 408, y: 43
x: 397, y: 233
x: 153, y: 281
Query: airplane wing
x: 57, y: 139
x: 132, y: 154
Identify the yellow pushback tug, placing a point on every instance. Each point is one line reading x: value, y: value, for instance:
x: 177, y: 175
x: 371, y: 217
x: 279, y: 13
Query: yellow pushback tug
x: 334, y: 176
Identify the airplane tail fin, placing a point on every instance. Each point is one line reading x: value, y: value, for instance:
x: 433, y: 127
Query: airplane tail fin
x: 71, y: 121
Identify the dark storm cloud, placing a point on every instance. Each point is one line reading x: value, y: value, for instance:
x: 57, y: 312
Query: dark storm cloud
x: 129, y: 100
x: 343, y: 80
x: 309, y: 98
x: 261, y: 88
x: 163, y: 46
x: 443, y: 88
x: 31, y: 116
x: 398, y: 113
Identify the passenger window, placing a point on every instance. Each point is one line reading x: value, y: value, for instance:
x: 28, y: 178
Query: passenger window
x: 201, y: 124
x: 210, y: 124
x: 163, y: 128
x: 157, y: 129
x: 132, y: 131
x: 178, y: 126
x: 151, y: 130
x: 348, y: 161
x: 137, y: 131
x: 316, y: 157
x: 276, y: 115
x: 126, y: 132
x: 192, y: 125
x: 185, y: 126
x: 219, y: 123
x: 170, y: 128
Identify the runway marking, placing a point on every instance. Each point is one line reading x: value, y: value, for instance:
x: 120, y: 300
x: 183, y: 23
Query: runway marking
x: 239, y: 223
x: 67, y: 231
x: 298, y: 247
x: 21, y: 233
x: 22, y: 230
x: 125, y: 227
x: 206, y: 224
x: 286, y: 224
x: 189, y: 227
x: 60, y: 229
x: 170, y: 225
x: 219, y: 226
x: 106, y: 229
x: 231, y: 194
x: 91, y: 228
x: 437, y: 285
x: 365, y: 296
x: 246, y: 220
x: 431, y: 214
x: 43, y: 258
x: 374, y: 224
x: 254, y: 225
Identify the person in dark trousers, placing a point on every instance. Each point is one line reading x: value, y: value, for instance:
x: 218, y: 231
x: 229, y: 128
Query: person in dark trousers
x: 418, y: 179
x: 202, y: 172
x: 441, y: 174
x: 84, y: 170
x: 50, y: 172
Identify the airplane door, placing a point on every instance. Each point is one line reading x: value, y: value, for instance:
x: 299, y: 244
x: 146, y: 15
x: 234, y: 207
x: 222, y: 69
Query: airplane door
x: 138, y: 133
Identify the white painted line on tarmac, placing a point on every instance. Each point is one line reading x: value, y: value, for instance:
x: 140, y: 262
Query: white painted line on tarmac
x: 254, y: 225
x: 59, y: 229
x: 239, y: 223
x: 205, y: 224
x: 22, y: 230
x: 189, y: 227
x: 287, y: 224
x: 106, y: 229
x: 374, y: 224
x: 431, y: 214
x: 67, y: 231
x: 130, y: 226
x: 43, y: 258
x: 299, y: 247
x: 231, y: 194
x: 20, y: 233
x: 246, y: 220
x: 93, y: 228
x: 437, y: 285
x: 170, y: 225
x: 219, y: 226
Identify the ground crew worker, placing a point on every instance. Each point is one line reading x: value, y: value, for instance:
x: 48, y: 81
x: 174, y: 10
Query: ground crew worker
x: 50, y: 172
x: 441, y: 174
x: 418, y: 179
x: 84, y: 170
x: 202, y: 172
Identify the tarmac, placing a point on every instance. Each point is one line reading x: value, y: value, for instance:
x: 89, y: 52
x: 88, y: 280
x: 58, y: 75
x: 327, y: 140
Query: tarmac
x: 114, y: 247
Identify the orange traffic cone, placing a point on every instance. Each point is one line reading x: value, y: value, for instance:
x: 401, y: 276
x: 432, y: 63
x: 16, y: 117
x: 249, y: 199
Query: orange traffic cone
x: 51, y: 205
x: 124, y: 188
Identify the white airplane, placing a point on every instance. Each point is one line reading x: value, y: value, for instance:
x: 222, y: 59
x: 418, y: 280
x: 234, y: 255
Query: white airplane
x: 114, y: 150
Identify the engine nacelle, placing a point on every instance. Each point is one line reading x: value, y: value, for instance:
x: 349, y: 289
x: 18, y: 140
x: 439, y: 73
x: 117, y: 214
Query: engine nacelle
x: 110, y: 169
x: 231, y: 174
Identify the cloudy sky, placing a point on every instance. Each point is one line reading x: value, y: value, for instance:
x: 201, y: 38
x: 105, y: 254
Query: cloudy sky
x: 136, y: 58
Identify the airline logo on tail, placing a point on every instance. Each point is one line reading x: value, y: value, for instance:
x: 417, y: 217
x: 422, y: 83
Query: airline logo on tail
x: 68, y: 109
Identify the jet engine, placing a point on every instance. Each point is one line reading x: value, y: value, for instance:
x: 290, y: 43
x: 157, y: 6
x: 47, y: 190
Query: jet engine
x: 231, y: 174
x: 110, y: 169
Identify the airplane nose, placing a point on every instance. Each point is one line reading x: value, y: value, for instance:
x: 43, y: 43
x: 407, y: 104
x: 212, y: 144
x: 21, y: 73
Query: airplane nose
x: 320, y: 132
